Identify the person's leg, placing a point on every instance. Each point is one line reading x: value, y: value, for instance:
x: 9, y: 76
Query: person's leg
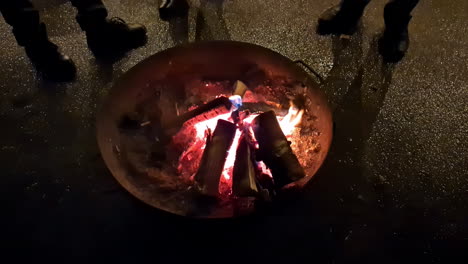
x: 173, y: 8
x: 90, y: 12
x: 395, y: 41
x: 342, y: 18
x: 107, y: 37
x: 31, y: 34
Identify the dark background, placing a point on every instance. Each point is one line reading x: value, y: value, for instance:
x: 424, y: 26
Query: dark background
x: 393, y: 189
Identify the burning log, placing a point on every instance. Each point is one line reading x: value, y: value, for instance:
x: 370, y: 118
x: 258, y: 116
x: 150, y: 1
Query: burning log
x: 214, y: 157
x: 243, y: 175
x: 218, y: 106
x: 275, y: 151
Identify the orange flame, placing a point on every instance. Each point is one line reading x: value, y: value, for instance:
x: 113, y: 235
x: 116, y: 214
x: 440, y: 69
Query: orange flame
x: 291, y: 120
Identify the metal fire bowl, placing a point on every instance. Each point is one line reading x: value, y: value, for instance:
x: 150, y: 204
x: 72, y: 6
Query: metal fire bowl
x: 170, y: 72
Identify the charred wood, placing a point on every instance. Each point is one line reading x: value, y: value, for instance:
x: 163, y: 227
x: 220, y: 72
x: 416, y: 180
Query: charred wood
x: 214, y: 157
x: 275, y: 150
x: 243, y: 175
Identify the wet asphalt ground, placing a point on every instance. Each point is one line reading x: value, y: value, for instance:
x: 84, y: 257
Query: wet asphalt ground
x: 394, y: 188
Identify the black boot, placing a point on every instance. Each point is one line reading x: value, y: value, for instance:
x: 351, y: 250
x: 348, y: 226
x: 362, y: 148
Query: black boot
x: 173, y: 8
x: 393, y: 44
x: 341, y: 19
x: 112, y: 38
x: 395, y: 41
x: 48, y: 60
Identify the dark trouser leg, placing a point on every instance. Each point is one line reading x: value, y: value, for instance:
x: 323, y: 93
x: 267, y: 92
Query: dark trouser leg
x: 173, y: 8
x: 343, y: 18
x: 90, y: 13
x: 24, y: 19
x: 395, y: 41
x: 354, y: 7
x: 397, y: 14
x: 32, y: 35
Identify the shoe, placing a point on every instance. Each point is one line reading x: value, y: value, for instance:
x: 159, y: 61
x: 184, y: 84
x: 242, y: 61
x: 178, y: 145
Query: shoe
x: 113, y: 37
x: 395, y: 40
x: 393, y: 46
x: 50, y: 62
x: 339, y: 20
x: 173, y: 8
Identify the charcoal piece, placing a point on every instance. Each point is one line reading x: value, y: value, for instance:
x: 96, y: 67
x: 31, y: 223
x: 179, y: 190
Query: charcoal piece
x: 239, y: 116
x: 243, y: 175
x: 244, y: 114
x: 236, y: 117
x: 218, y: 106
x: 214, y: 157
x: 275, y: 151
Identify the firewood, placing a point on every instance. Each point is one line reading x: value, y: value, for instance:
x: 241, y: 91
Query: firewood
x: 275, y: 150
x: 218, y: 106
x: 239, y: 88
x: 214, y: 157
x: 243, y: 175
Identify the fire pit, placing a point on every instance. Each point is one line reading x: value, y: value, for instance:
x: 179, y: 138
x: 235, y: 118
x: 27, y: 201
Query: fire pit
x: 214, y: 129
